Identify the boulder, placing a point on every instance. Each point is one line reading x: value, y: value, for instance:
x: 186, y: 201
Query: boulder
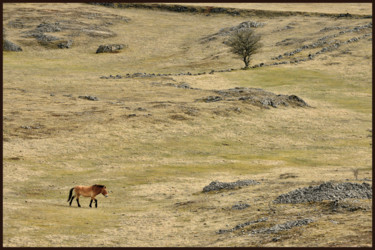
x: 65, y: 44
x: 110, y: 48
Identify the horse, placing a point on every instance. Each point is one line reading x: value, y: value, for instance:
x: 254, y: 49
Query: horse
x: 87, y: 191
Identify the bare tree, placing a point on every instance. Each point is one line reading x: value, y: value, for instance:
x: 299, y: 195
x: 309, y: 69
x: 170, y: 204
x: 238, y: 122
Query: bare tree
x: 244, y: 43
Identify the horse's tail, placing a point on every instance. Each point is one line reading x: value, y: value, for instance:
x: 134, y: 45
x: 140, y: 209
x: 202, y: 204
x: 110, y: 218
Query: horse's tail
x: 70, y: 193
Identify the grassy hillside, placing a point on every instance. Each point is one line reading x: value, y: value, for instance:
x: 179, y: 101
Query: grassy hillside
x: 337, y: 8
x: 155, y: 146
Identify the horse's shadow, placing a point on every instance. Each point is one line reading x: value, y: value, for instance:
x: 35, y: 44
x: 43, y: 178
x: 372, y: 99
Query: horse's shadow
x: 67, y: 205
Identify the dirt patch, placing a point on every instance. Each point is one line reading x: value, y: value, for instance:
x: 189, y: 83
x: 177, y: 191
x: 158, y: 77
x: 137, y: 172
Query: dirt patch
x: 327, y: 191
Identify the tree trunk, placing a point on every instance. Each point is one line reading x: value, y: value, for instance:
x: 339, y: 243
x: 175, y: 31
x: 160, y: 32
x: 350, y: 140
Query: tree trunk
x: 246, y: 61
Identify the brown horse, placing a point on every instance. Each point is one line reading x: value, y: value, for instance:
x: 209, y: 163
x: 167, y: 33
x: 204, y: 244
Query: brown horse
x: 87, y: 191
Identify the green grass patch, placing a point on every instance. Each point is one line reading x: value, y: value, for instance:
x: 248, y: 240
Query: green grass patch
x: 314, y: 84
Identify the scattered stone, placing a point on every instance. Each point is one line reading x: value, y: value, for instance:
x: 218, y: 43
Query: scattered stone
x: 327, y: 191
x: 65, y: 44
x: 287, y: 176
x: 217, y: 185
x: 212, y: 99
x: 240, y: 206
x: 110, y: 48
x: 140, y: 109
x: 49, y: 27
x: 288, y: 27
x: 42, y: 38
x: 344, y: 15
x: 178, y: 117
x: 282, y: 227
x: 229, y: 30
x: 332, y: 28
x: 88, y: 97
x: 183, y: 85
x: 30, y: 127
x: 339, y: 205
x: 324, y: 41
x: 9, y: 46
x: 242, y: 225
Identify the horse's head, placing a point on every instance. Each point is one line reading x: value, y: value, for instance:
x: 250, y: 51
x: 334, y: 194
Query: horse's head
x: 104, y: 191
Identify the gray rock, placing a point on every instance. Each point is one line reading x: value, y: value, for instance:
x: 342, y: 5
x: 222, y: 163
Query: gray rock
x: 65, y: 44
x: 9, y: 46
x: 110, y: 48
x: 90, y: 98
x: 240, y: 206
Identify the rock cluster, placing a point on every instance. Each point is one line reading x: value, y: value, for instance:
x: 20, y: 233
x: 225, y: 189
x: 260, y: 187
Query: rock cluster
x: 327, y: 191
x: 90, y: 98
x: 339, y: 205
x: 149, y: 75
x: 48, y: 40
x: 324, y: 40
x: 240, y: 206
x: 181, y: 85
x: 217, y: 185
x: 242, y: 225
x: 271, y: 230
x: 49, y: 27
x: 110, y: 48
x: 229, y: 30
x: 282, y: 227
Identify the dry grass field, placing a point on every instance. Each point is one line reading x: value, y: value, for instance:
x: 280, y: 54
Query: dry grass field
x: 155, y: 146
x: 352, y: 8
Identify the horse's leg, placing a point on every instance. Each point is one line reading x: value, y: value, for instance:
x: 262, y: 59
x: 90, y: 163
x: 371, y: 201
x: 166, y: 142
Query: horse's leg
x: 91, y: 201
x: 71, y: 200
x: 78, y: 200
x: 96, y: 203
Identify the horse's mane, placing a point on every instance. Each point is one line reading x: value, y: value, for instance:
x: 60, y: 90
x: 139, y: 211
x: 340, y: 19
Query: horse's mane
x: 100, y: 186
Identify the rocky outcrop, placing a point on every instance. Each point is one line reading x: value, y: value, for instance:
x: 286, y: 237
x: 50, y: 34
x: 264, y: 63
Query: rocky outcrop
x: 327, y: 191
x: 256, y: 96
x: 9, y: 46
